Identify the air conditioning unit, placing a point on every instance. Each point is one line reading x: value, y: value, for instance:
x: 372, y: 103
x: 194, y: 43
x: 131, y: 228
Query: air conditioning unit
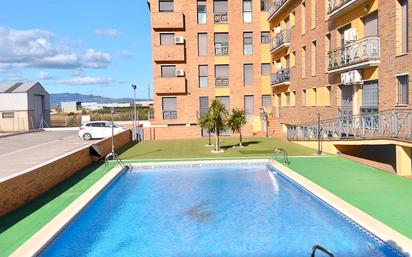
x: 278, y: 29
x: 180, y: 73
x: 355, y: 77
x: 345, y: 78
x: 350, y: 35
x: 179, y: 40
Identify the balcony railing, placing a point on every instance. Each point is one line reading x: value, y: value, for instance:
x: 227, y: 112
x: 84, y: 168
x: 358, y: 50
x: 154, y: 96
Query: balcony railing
x: 385, y: 124
x: 221, y: 50
x: 280, y: 39
x: 280, y: 77
x: 336, y: 6
x: 364, y: 50
x: 221, y: 18
x: 277, y: 4
x: 169, y: 115
x: 221, y: 82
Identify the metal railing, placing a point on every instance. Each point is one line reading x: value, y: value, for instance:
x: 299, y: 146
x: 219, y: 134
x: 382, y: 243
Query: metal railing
x: 277, y: 4
x: 396, y: 124
x: 334, y: 5
x: 320, y: 248
x: 221, y: 18
x: 277, y: 152
x: 282, y: 76
x: 282, y: 37
x: 221, y: 50
x: 363, y: 50
x: 221, y: 82
x: 169, y: 115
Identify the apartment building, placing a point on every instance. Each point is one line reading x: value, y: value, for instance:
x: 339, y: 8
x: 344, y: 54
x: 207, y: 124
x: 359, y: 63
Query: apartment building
x: 339, y: 57
x: 207, y: 49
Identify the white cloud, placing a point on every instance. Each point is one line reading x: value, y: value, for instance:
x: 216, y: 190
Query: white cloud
x: 44, y: 75
x: 87, y: 80
x: 42, y: 49
x: 112, y: 33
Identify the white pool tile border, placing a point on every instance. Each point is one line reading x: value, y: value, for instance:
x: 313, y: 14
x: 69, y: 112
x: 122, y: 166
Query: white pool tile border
x: 388, y: 235
x: 41, y: 238
x: 38, y: 241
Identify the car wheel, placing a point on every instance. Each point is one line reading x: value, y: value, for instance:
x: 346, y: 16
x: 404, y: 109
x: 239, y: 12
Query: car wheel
x: 87, y: 136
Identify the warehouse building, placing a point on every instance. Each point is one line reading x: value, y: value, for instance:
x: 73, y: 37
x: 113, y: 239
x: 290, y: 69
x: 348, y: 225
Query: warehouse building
x: 23, y: 106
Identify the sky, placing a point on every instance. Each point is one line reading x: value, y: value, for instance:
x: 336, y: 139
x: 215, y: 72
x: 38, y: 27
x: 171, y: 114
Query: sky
x: 97, y: 47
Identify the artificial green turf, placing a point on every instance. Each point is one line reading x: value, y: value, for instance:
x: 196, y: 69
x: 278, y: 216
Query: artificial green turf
x: 382, y: 195
x: 18, y: 226
x: 195, y: 148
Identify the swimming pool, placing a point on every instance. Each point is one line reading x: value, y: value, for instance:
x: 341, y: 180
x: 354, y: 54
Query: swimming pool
x: 236, y: 210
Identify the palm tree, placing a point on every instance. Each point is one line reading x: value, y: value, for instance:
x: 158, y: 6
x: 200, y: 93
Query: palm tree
x: 206, y: 122
x: 218, y: 113
x: 236, y: 121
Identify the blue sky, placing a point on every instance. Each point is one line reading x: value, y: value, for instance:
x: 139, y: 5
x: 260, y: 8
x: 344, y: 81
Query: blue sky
x: 94, y: 47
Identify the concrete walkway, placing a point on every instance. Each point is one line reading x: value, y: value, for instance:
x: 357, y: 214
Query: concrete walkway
x: 20, y: 152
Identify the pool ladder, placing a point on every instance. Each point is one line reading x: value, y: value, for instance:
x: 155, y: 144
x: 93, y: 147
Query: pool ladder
x: 321, y: 249
x: 116, y: 158
x: 277, y: 152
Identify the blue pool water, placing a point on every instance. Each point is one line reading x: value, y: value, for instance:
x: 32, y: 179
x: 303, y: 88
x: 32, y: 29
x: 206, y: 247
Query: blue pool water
x: 210, y: 211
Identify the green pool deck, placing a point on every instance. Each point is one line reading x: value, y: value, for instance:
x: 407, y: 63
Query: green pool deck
x: 382, y: 195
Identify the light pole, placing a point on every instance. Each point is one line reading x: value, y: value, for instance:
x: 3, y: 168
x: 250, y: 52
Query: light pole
x: 318, y: 134
x: 134, y: 137
x: 112, y: 112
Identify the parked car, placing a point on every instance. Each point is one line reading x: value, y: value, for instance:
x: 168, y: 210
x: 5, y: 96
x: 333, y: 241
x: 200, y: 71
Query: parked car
x: 98, y: 129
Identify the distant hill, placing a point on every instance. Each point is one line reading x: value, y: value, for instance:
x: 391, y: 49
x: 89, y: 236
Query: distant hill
x: 56, y: 99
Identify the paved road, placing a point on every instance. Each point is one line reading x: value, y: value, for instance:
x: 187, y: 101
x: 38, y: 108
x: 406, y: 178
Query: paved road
x: 21, y: 152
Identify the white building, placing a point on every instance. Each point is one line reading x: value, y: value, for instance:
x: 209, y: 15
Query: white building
x: 23, y: 106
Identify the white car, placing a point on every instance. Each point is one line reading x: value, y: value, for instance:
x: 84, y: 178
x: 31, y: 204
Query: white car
x: 98, y: 129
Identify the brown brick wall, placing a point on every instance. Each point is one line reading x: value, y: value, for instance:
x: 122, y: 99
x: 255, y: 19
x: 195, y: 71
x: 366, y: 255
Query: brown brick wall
x: 21, y: 189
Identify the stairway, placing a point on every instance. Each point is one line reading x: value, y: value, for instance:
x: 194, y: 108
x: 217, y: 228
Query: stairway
x: 275, y: 128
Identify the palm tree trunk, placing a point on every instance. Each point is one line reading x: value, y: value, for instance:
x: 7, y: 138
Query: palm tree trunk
x: 210, y: 143
x: 240, y: 138
x: 216, y: 140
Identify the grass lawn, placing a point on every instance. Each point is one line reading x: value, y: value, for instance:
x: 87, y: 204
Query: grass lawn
x: 195, y: 148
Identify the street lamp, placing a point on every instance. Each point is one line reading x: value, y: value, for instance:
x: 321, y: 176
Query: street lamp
x: 134, y: 113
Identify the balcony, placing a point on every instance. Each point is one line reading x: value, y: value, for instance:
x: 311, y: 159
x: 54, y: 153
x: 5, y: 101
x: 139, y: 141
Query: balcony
x: 221, y: 50
x: 220, y: 18
x: 221, y: 82
x: 337, y: 8
x: 170, y: 115
x: 276, y: 7
x: 168, y: 21
x: 169, y: 53
x: 280, y: 78
x: 170, y: 86
x: 357, y: 55
x: 280, y: 41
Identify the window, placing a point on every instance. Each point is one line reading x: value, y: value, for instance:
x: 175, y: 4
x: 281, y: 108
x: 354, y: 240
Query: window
x: 247, y: 11
x: 371, y: 25
x: 403, y: 89
x: 293, y: 98
x: 303, y: 97
x: 313, y: 58
x: 165, y: 5
x: 313, y: 13
x: 248, y: 106
x: 402, y: 26
x: 7, y: 115
x: 328, y: 47
x: 303, y: 18
x: 167, y: 38
x: 201, y: 12
x: 303, y: 62
x: 370, y: 94
x: 222, y: 75
x: 248, y: 74
x: 221, y: 44
x: 287, y: 96
x: 265, y: 37
x: 220, y: 11
x: 292, y: 59
x: 168, y: 71
x: 266, y: 101
x: 264, y: 5
x: 203, y: 77
x: 169, y: 108
x: 225, y: 100
x: 202, y: 44
x: 247, y: 43
x: 265, y: 71
x: 203, y: 104
x: 292, y: 19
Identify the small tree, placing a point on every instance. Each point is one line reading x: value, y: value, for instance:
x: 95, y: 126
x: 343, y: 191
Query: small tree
x: 206, y: 122
x: 218, y: 113
x: 236, y: 122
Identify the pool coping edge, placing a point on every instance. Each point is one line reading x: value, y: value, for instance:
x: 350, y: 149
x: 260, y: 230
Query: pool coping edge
x: 388, y: 235
x: 35, y: 244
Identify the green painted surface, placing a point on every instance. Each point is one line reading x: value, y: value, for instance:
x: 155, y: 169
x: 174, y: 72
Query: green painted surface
x: 382, y: 195
x: 20, y: 225
x: 171, y: 149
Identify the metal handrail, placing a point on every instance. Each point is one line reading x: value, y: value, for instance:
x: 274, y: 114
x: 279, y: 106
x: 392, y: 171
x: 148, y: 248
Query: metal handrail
x: 116, y: 158
x: 285, y: 155
x: 322, y: 249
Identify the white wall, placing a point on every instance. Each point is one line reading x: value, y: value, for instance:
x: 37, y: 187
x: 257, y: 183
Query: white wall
x: 13, y: 102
